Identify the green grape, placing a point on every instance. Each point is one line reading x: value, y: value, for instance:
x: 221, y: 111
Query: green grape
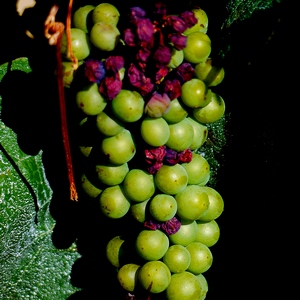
x: 202, y: 69
x: 200, y: 133
x: 195, y: 93
x: 139, y: 210
x: 216, y: 205
x: 176, y: 112
x: 89, y: 188
x: 85, y: 150
x: 83, y: 121
x: 183, y: 286
x: 86, y: 146
x: 177, y: 258
x: 163, y: 207
x: 192, y: 202
x: 186, y: 234
x: 154, y: 276
x: 80, y: 43
x: 201, y: 258
x: 202, y: 23
x: 181, y: 135
x: 151, y: 244
x: 177, y: 58
x: 204, y: 286
x: 127, y: 276
x: 218, y: 78
x: 114, y: 250
x: 209, y: 73
x: 107, y: 13
x: 155, y: 131
x: 128, y: 106
x: 69, y: 72
x: 198, y: 169
x: 108, y: 125
x: 104, y: 36
x: 208, y: 232
x: 113, y: 202
x: 138, y: 185
x: 198, y: 47
x: 171, y: 179
x: 90, y: 101
x: 120, y: 148
x: 212, y: 112
x: 205, y: 180
x: 111, y: 174
x: 81, y: 18
x: 122, y: 73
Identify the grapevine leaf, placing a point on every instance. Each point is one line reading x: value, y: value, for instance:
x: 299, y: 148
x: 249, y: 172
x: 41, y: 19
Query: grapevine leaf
x: 213, y: 148
x: 241, y: 9
x: 31, y: 266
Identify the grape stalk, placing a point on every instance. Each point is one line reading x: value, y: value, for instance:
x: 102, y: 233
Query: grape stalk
x: 53, y: 32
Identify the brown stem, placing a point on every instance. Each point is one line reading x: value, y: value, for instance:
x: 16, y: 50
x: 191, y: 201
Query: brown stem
x: 64, y: 124
x: 70, y: 53
x: 53, y: 32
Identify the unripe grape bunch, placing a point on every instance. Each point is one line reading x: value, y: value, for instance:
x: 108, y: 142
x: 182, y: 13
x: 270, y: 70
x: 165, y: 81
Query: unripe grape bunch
x: 144, y: 95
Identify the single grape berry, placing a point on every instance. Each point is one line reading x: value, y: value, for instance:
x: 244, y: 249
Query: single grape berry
x: 195, y: 93
x: 183, y: 285
x: 198, y: 47
x: 82, y: 18
x: 90, y: 101
x: 80, y: 42
x: 212, y: 112
x: 107, y: 13
x: 154, y: 276
x: 105, y: 36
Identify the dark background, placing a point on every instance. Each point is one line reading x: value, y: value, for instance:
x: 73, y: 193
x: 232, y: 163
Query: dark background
x: 256, y: 176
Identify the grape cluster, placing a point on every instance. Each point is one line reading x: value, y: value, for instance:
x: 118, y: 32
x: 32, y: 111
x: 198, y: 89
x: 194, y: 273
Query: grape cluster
x: 144, y: 88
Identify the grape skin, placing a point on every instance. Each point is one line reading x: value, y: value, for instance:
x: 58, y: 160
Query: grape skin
x: 154, y: 276
x: 195, y: 93
x: 81, y: 44
x: 113, y: 202
x: 105, y: 36
x: 81, y: 17
x: 198, y: 47
x: 107, y: 13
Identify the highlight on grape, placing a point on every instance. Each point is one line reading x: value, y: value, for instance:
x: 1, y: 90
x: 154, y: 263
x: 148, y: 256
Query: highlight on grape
x: 145, y: 85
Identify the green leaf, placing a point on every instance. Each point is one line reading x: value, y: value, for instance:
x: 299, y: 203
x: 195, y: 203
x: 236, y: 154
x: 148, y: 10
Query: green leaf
x: 243, y: 9
x: 31, y: 266
x: 213, y: 148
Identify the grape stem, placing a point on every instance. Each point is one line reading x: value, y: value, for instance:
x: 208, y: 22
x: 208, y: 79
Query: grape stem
x: 70, y: 53
x: 53, y: 32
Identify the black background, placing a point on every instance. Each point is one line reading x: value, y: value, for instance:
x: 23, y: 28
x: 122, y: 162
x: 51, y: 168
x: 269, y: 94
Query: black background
x: 253, y: 254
